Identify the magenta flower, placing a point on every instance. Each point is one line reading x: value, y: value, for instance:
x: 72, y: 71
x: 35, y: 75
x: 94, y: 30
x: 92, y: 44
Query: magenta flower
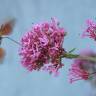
x: 77, y: 73
x: 43, y: 45
x: 82, y: 69
x: 91, y: 30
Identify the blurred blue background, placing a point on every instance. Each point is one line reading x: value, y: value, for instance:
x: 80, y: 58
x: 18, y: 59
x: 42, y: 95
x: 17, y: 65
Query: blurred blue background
x: 17, y: 81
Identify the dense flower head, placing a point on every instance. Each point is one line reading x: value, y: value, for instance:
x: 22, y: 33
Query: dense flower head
x: 82, y: 69
x: 90, y: 30
x: 43, y: 45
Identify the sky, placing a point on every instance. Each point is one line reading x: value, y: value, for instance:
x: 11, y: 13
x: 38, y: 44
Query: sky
x: 15, y: 80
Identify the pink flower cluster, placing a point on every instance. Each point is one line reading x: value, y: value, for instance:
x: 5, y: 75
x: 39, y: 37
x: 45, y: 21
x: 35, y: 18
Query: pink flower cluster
x: 42, y: 47
x: 91, y: 30
x: 76, y: 72
x: 82, y: 69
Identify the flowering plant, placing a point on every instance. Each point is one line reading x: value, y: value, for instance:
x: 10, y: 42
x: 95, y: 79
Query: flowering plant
x: 41, y: 48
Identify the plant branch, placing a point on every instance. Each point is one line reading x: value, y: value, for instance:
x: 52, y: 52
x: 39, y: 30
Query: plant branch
x: 72, y: 56
x: 13, y: 40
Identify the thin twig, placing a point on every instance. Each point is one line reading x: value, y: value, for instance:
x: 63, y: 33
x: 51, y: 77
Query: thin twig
x: 13, y: 40
x: 73, y: 56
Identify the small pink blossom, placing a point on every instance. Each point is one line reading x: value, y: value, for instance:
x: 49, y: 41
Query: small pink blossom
x: 77, y: 73
x: 53, y: 68
x: 43, y: 45
x: 90, y: 30
x: 82, y: 69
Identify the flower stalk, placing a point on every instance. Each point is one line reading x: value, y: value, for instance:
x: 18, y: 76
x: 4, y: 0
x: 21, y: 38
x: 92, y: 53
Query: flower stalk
x: 73, y: 56
x: 12, y: 40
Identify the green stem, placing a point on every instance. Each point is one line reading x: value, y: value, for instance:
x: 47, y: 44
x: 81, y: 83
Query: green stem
x: 72, y: 56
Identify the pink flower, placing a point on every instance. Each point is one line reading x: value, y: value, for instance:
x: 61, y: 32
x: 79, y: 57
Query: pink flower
x: 53, y: 68
x: 91, y: 30
x: 43, y: 45
x: 82, y: 69
x: 77, y: 73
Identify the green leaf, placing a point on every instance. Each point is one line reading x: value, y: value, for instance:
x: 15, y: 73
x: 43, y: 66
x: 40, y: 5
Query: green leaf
x: 72, y: 50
